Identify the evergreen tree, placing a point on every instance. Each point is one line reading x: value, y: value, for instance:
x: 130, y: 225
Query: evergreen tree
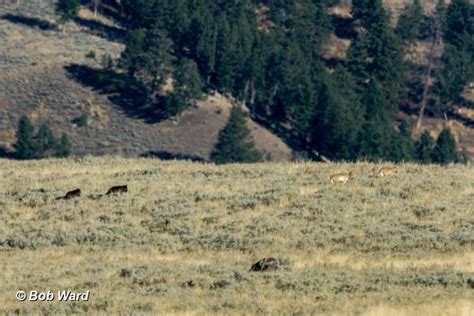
x: 63, y: 147
x: 131, y: 58
x: 457, y: 70
x: 155, y: 63
x: 402, y: 146
x: 378, y: 130
x: 459, y: 23
x: 24, y: 146
x: 370, y: 13
x: 410, y: 21
x: 44, y: 141
x: 187, y: 88
x: 233, y: 144
x: 67, y: 10
x: 458, y: 58
x: 340, y: 117
x: 226, y: 56
x: 445, y: 149
x: 188, y: 81
x: 375, y: 59
x: 424, y: 148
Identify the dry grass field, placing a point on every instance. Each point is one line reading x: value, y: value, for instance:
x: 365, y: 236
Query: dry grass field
x: 184, y: 236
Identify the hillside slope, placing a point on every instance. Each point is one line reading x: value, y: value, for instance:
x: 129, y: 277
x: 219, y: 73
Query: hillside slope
x: 37, y: 77
x: 184, y: 237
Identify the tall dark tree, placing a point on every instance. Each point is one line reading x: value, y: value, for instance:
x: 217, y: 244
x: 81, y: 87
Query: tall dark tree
x: 370, y: 13
x: 25, y: 148
x: 459, y: 22
x: 375, y: 60
x: 378, y: 130
x: 155, y: 63
x: 340, y: 117
x: 410, y: 21
x: 233, y: 144
x: 445, y: 150
x: 402, y: 146
x: 188, y: 81
x: 63, y: 147
x: 458, y: 58
x: 187, y: 88
x: 424, y: 148
x: 131, y: 59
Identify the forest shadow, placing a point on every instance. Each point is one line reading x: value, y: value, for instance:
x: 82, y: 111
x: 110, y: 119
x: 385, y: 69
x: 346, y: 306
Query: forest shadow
x: 343, y: 27
x: 166, y: 155
x: 35, y: 23
x: 128, y: 95
x: 100, y: 29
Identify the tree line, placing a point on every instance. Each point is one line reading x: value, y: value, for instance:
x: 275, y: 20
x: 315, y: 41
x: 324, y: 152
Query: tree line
x: 268, y: 56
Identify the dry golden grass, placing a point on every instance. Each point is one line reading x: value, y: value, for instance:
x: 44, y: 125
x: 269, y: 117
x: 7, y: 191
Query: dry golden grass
x: 182, y: 240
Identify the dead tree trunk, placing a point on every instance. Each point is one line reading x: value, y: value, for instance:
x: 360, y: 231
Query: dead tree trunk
x: 427, y: 82
x: 96, y: 7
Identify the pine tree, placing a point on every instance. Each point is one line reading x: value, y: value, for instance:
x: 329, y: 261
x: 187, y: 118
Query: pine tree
x: 188, y: 81
x: 24, y: 146
x: 445, y: 149
x: 378, y: 130
x: 370, y: 13
x: 63, y: 147
x: 131, y: 58
x: 226, y: 56
x: 424, y: 148
x: 402, y: 146
x: 375, y: 59
x: 44, y: 141
x: 458, y: 57
x: 410, y: 21
x: 155, y: 63
x: 187, y: 88
x: 459, y: 22
x: 457, y: 70
x: 233, y: 143
x: 340, y: 117
x: 67, y: 10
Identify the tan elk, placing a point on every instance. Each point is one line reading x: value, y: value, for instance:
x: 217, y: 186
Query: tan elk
x: 341, y: 177
x: 387, y: 171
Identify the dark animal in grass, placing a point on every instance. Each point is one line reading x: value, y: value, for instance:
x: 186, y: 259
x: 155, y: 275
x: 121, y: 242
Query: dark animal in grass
x: 118, y: 189
x: 266, y: 264
x: 70, y: 195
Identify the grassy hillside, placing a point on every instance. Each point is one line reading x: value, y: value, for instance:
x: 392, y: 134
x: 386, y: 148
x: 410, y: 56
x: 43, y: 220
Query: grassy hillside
x: 184, y: 237
x: 42, y: 72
